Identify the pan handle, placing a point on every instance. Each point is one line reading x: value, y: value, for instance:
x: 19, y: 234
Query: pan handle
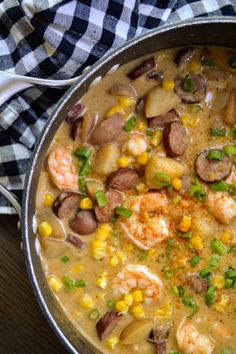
x: 12, y: 199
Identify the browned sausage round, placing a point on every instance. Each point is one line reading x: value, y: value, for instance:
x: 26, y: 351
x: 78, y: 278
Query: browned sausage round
x: 146, y: 66
x: 84, y: 222
x: 175, y: 139
x: 183, y: 56
x: 107, y: 131
x: 64, y: 203
x: 77, y: 111
x: 122, y: 179
x: 163, y: 119
x: 212, y: 170
x: 104, y: 214
x: 199, y: 89
x: 107, y: 324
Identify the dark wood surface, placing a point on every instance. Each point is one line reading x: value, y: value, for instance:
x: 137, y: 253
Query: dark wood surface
x: 23, y: 328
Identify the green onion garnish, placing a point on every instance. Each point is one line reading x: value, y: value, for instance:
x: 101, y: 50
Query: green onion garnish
x: 80, y: 283
x: 219, y: 186
x: 230, y: 273
x: 213, y: 262
x: 94, y: 314
x: 82, y: 185
x: 130, y: 124
x: 217, y: 132
x: 100, y: 198
x: 232, y: 62
x: 176, y: 199
x: 187, y: 301
x: 230, y: 277
x: 228, y: 283
x: 216, y: 154
x: 210, y: 295
x: 218, y: 247
x: 167, y: 273
x: 194, y: 261
x: 110, y: 304
x: 196, y: 191
x: 124, y: 212
x: 175, y: 290
x: 68, y: 282
x: 85, y: 169
x: 162, y: 179
x: 64, y: 259
x: 205, y: 273
x: 188, y: 84
x: 83, y: 153
x: 187, y: 234
x: 229, y: 150
x: 149, y: 132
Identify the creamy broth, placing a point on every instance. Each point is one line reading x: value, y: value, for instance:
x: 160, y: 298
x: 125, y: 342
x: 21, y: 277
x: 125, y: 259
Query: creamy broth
x: 161, y: 244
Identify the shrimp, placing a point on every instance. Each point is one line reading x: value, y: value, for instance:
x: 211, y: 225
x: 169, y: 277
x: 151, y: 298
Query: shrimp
x: 62, y: 170
x: 190, y: 341
x: 146, y: 232
x: 221, y: 206
x: 136, y: 144
x: 138, y: 277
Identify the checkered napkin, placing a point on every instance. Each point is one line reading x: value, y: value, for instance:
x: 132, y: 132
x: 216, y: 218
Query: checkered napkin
x: 58, y: 39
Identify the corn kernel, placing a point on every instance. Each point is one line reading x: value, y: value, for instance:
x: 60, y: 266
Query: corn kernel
x: 55, y: 283
x: 103, y: 232
x: 98, y: 249
x: 176, y: 183
x: 218, y: 281
x: 156, y: 138
x: 197, y: 243
x: 221, y: 303
x: 138, y: 295
x: 86, y: 302
x: 137, y: 311
x: 123, y: 162
x: 121, y: 256
x: 121, y: 306
x: 45, y: 229
x: 141, y: 188
x: 143, y: 158
x: 48, y: 199
x: 165, y: 311
x: 144, y: 217
x: 114, y: 110
x: 86, y: 204
x: 114, y: 261
x: 185, y: 223
x: 101, y: 281
x: 126, y: 102
x: 194, y: 66
x: 152, y: 252
x: 188, y: 121
x: 97, y: 244
x: 226, y: 236
x: 128, y: 299
x: 168, y: 84
x: 141, y: 126
x: 76, y: 268
x: 112, y: 342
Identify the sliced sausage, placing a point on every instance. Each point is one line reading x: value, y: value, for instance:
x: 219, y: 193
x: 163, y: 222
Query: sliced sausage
x: 198, y: 92
x: 183, y: 56
x: 84, y: 222
x: 76, y: 128
x: 163, y: 119
x: 107, y: 131
x: 76, y: 112
x: 122, y: 179
x: 159, y: 337
x: 212, y: 170
x: 104, y: 214
x: 76, y: 241
x: 119, y: 89
x: 146, y: 66
x: 107, y: 324
x: 196, y: 283
x: 175, y: 139
x: 64, y: 203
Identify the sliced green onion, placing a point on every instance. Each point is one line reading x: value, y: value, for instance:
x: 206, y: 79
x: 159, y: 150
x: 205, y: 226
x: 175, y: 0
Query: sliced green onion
x: 233, y: 132
x: 195, y: 308
x: 110, y: 304
x: 64, y: 259
x: 232, y: 62
x: 82, y: 185
x: 195, y: 108
x: 208, y: 63
x: 216, y: 154
x: 167, y: 273
x: 187, y: 234
x: 181, y: 291
x: 187, y: 301
x: 229, y: 149
x: 124, y: 212
x: 188, y: 84
x: 228, y: 283
x: 100, y: 198
x: 68, y: 282
x: 194, y: 261
x: 130, y: 124
x: 94, y: 314
x: 210, y: 295
x: 205, y: 273
x: 219, y: 186
x: 196, y: 191
x: 149, y: 132
x: 85, y: 169
x: 218, y: 247
x: 162, y: 179
x: 80, y: 283
x: 217, y: 132
x: 83, y: 153
x: 230, y: 273
x: 175, y: 290
x: 213, y: 262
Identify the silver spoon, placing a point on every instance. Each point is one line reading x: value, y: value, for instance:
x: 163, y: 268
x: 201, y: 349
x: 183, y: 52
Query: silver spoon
x: 12, y: 83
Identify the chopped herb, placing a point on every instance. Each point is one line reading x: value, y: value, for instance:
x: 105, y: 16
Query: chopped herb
x: 68, y: 282
x: 101, y: 198
x: 219, y: 186
x: 94, y: 314
x: 187, y: 234
x: 149, y: 132
x: 229, y: 149
x: 210, y: 295
x: 232, y: 62
x: 205, y: 273
x: 207, y: 63
x: 194, y: 261
x: 167, y: 273
x: 197, y: 191
x: 162, y: 179
x: 213, y: 262
x: 64, y: 259
x: 217, y: 132
x: 124, y: 212
x: 110, y: 304
x: 218, y: 247
x: 130, y: 124
x: 83, y: 153
x: 188, y: 84
x: 80, y: 283
x: 216, y: 154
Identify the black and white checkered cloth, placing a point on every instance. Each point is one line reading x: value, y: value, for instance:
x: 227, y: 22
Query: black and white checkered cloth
x: 58, y: 39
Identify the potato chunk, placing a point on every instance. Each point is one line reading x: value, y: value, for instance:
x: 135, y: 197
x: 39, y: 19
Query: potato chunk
x: 167, y: 165
x: 230, y: 111
x: 160, y: 101
x: 106, y: 161
x: 136, y: 331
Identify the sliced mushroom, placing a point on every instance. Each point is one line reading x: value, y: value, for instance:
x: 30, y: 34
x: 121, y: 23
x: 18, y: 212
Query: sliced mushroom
x: 108, y: 130
x: 89, y: 123
x: 107, y: 324
x: 230, y: 110
x: 76, y: 112
x: 64, y: 203
x: 146, y: 66
x: 120, y: 89
x: 84, y: 222
x: 136, y: 331
x: 198, y: 90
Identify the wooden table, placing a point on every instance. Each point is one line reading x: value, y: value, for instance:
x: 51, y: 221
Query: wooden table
x: 23, y: 328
